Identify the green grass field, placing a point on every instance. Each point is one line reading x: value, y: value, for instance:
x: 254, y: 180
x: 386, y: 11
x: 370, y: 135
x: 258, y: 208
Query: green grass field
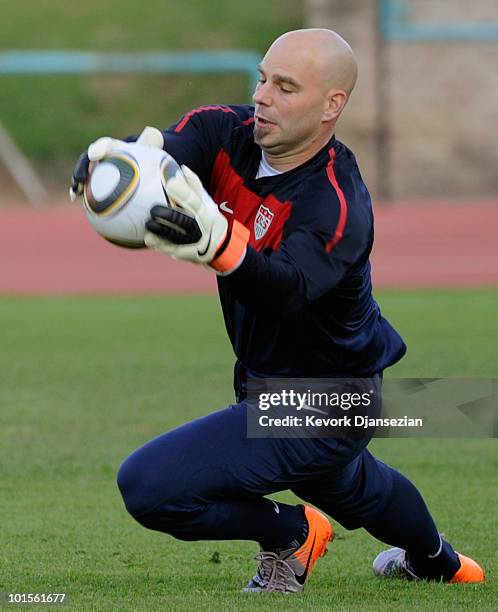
x: 84, y: 381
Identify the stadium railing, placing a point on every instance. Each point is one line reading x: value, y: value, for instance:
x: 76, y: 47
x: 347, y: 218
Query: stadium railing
x: 396, y: 25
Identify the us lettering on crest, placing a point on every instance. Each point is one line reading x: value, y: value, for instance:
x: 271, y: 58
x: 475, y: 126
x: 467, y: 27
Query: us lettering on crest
x: 262, y: 222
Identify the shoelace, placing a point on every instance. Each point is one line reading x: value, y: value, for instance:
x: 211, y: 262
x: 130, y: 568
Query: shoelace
x: 400, y: 566
x: 275, y: 572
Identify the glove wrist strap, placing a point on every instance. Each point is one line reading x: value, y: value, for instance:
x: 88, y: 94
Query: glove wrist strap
x: 232, y: 251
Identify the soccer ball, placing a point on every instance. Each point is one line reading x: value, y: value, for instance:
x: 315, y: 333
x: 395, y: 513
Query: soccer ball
x: 122, y: 188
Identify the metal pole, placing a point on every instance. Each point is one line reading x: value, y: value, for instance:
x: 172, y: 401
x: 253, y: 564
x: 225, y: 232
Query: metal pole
x: 382, y: 110
x: 21, y: 170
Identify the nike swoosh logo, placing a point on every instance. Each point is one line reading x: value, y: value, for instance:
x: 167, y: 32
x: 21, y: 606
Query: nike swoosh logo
x: 277, y: 509
x: 202, y: 253
x: 224, y: 208
x: 301, y: 579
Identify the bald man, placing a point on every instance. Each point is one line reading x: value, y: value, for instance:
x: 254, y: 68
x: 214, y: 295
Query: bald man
x: 320, y: 67
x: 273, y: 203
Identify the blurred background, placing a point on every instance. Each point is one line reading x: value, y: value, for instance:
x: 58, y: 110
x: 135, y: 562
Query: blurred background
x: 53, y: 117
x: 422, y: 121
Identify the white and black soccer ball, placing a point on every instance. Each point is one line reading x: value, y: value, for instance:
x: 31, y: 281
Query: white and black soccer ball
x: 122, y: 188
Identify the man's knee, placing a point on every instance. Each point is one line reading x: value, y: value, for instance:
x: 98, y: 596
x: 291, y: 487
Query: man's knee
x: 145, y: 486
x: 155, y: 498
x: 132, y: 483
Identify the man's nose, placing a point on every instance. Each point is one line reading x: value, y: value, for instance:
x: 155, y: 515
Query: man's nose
x: 262, y: 94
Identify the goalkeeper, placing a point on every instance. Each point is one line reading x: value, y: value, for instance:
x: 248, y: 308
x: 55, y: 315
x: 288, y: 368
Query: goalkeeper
x: 272, y: 202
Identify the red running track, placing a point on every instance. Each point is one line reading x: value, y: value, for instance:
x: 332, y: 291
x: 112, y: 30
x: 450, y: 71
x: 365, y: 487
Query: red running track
x: 55, y: 251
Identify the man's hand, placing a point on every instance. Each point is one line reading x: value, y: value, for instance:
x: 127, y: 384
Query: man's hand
x: 80, y: 174
x: 194, y: 229
x: 150, y: 136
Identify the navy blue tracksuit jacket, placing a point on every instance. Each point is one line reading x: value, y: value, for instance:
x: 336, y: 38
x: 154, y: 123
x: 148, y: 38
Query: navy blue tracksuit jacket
x: 301, y: 302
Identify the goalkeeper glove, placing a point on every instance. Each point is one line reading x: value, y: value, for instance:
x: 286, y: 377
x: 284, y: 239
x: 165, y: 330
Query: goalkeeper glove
x: 100, y: 148
x: 193, y: 229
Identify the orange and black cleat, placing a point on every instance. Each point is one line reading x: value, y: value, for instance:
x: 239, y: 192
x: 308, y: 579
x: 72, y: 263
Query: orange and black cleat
x: 286, y: 571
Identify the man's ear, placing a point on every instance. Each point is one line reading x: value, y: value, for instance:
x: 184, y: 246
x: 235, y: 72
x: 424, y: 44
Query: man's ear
x: 335, y: 102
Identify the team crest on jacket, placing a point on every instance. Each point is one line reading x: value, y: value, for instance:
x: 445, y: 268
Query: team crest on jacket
x: 262, y: 222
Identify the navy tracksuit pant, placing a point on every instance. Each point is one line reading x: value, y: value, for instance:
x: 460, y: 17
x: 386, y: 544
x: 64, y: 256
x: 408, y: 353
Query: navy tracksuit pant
x: 196, y: 481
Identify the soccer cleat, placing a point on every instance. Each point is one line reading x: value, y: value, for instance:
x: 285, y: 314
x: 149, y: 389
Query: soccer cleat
x: 469, y: 571
x: 392, y: 563
x: 286, y: 571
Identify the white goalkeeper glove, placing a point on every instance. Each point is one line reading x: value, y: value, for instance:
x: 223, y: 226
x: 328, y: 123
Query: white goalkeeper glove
x: 193, y: 229
x: 150, y: 136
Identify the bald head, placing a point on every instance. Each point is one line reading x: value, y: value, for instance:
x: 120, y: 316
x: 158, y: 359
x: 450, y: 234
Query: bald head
x: 306, y: 77
x: 323, y: 51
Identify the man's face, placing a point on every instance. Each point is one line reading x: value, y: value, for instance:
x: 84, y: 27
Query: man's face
x: 289, y: 101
